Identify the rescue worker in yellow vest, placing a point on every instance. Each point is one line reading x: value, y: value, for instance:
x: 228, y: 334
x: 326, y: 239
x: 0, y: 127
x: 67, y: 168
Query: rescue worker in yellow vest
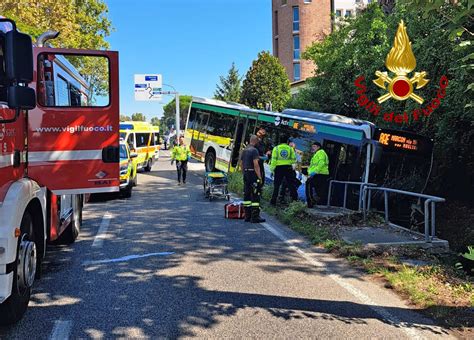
x: 318, y: 173
x: 181, y: 154
x: 281, y: 164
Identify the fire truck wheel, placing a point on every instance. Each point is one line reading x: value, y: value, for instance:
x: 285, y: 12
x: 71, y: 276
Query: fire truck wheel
x: 127, y: 192
x: 24, y: 269
x: 148, y: 166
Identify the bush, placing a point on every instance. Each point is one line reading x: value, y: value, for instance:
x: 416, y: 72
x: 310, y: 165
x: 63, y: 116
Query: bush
x: 236, y: 183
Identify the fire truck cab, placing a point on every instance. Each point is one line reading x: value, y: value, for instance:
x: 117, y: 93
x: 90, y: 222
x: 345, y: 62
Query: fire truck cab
x: 59, y: 138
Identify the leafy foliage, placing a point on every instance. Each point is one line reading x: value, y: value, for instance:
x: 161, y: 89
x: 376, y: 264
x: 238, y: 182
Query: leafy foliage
x: 169, y: 113
x: 230, y: 87
x: 266, y: 82
x: 138, y: 117
x: 360, y: 48
x: 155, y: 121
x: 459, y: 28
x: 82, y: 24
x: 124, y: 118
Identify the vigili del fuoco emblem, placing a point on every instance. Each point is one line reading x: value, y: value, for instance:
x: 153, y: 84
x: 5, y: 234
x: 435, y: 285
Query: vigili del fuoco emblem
x: 401, y: 61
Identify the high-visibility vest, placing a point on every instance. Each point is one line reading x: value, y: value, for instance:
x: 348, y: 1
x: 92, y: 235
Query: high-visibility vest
x: 180, y: 153
x: 282, y: 154
x: 319, y: 163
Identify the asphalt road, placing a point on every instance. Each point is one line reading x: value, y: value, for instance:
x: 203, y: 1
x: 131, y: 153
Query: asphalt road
x: 166, y: 264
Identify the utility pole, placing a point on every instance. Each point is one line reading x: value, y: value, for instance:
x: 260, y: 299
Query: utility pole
x: 177, y: 125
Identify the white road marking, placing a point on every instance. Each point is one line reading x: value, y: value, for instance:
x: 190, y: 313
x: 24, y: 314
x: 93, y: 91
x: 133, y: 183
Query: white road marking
x: 102, y: 233
x: 347, y: 286
x: 126, y: 258
x: 61, y: 330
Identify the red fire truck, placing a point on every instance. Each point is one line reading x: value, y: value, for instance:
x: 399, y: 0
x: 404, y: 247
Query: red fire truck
x: 58, y: 141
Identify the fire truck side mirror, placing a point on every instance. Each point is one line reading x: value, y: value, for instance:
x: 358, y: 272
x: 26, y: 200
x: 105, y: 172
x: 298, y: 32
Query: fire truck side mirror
x: 21, y: 98
x: 18, y: 57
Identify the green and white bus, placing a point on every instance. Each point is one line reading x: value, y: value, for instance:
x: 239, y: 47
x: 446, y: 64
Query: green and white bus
x: 217, y: 131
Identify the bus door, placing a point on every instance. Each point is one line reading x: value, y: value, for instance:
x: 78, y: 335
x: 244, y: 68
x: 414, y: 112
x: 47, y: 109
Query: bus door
x: 199, y: 133
x: 245, y: 127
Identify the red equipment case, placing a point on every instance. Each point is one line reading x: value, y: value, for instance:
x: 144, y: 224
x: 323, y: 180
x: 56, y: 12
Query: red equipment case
x: 234, y: 210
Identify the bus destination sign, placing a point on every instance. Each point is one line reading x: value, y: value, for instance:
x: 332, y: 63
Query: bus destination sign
x: 304, y: 127
x: 393, y: 140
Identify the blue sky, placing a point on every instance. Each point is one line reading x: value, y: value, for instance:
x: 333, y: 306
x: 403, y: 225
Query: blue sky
x: 190, y: 42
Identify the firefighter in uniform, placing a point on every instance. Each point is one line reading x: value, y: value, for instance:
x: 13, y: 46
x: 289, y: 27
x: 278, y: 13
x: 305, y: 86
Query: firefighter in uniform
x: 253, y: 181
x: 281, y: 164
x: 181, y: 154
x: 318, y: 172
x: 262, y: 149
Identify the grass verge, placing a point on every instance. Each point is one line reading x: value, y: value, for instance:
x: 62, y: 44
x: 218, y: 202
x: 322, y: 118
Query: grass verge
x: 436, y: 287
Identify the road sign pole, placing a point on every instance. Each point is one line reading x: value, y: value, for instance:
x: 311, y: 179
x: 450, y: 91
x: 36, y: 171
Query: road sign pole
x: 178, y: 127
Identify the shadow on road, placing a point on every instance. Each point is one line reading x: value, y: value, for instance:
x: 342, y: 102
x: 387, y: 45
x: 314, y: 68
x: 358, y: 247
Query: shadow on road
x: 142, y: 298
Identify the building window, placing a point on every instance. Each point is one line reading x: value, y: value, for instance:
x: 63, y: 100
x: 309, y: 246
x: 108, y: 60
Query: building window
x: 348, y: 13
x: 296, y: 19
x: 309, y: 1
x: 275, y: 48
x: 338, y: 13
x: 296, y: 71
x: 275, y: 16
x: 296, y: 47
x: 283, y: 2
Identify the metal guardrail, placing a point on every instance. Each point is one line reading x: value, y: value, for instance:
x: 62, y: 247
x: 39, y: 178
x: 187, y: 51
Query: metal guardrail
x: 361, y: 185
x: 430, y: 200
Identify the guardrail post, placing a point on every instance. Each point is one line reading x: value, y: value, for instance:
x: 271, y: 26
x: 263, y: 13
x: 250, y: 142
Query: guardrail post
x: 427, y: 214
x: 345, y: 196
x: 329, y: 193
x: 433, y: 220
x: 364, y: 204
x: 385, y: 198
x: 369, y: 199
x: 361, y: 188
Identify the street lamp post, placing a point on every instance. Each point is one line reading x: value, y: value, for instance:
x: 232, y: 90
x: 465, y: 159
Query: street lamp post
x: 176, y: 93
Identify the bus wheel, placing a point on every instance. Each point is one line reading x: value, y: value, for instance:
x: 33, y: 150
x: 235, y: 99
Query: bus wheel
x: 210, y: 161
x: 148, y: 166
x: 24, y: 270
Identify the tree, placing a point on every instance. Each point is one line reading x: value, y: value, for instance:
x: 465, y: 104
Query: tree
x: 155, y: 121
x: 458, y: 20
x: 230, y: 87
x: 138, y: 117
x: 266, y: 82
x: 82, y: 24
x: 124, y: 118
x: 361, y: 47
x: 169, y: 112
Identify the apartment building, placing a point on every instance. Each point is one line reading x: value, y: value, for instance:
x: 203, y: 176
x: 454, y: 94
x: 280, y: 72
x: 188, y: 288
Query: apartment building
x: 298, y: 23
